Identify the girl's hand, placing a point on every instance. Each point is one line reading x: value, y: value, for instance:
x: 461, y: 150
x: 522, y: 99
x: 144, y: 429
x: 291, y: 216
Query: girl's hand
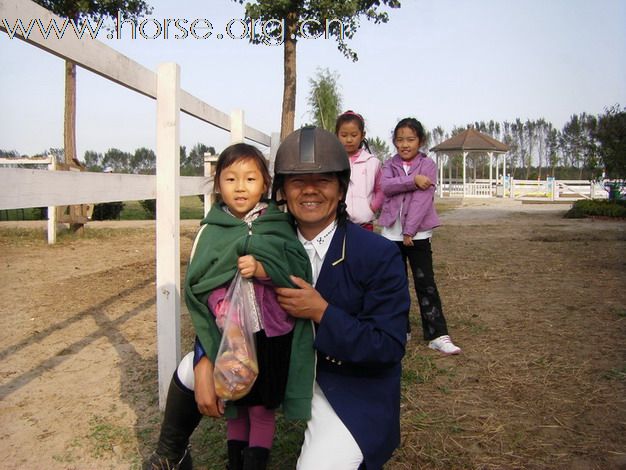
x: 422, y: 182
x: 407, y: 240
x: 208, y: 402
x: 249, y: 267
x: 304, y: 302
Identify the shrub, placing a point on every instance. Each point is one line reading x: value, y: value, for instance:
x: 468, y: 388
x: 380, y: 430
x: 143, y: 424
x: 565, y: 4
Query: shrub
x: 587, y: 208
x: 107, y: 211
x: 149, y: 205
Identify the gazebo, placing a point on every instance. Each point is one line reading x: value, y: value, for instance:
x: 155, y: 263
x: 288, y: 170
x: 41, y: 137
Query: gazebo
x: 471, y: 141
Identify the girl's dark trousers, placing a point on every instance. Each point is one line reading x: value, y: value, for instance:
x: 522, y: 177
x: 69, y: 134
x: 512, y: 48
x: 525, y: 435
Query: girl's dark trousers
x: 420, y: 258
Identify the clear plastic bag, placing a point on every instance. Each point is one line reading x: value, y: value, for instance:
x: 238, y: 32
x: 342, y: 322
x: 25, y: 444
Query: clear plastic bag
x: 236, y: 367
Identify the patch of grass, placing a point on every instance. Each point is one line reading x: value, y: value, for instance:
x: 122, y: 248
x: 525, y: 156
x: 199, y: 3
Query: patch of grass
x: 472, y: 323
x: 209, y: 444
x: 418, y: 369
x: 31, y: 213
x: 446, y: 205
x: 18, y: 236
x: 105, y: 437
x: 616, y: 374
x: 133, y: 211
x: 67, y: 456
x: 191, y: 207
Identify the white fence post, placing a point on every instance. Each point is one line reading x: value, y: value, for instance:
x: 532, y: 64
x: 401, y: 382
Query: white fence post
x: 52, y: 210
x: 274, y: 144
x: 168, y: 224
x: 209, y: 165
x: 236, y: 126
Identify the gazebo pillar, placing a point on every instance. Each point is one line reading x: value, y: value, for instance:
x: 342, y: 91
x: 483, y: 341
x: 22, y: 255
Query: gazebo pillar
x: 440, y: 177
x: 449, y: 174
x: 490, y: 173
x: 497, y: 167
x: 464, y: 162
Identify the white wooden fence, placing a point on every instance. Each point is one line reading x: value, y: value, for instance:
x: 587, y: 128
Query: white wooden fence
x: 23, y: 188
x: 547, y: 190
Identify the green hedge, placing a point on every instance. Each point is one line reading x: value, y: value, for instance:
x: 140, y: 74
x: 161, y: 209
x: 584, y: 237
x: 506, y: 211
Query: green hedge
x: 587, y: 208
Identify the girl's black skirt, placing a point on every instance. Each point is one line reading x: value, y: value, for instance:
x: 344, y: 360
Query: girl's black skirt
x: 273, y: 358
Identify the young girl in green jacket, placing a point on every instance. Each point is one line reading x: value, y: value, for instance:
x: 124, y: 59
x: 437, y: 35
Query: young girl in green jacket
x: 242, y: 233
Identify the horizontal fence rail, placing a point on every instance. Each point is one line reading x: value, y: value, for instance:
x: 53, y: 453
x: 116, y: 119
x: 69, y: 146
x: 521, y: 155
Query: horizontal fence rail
x: 25, y: 188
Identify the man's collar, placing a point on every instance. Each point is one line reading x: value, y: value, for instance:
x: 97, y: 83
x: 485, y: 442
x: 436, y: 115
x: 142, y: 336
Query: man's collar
x: 321, y: 242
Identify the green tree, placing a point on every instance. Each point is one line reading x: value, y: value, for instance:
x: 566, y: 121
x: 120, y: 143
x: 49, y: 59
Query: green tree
x: 611, y: 135
x: 117, y: 161
x: 193, y: 164
x: 379, y: 148
x: 143, y: 161
x: 289, y: 20
x: 93, y: 161
x: 552, y: 149
x: 325, y: 99
x: 84, y: 10
x: 578, y: 143
x: 9, y: 153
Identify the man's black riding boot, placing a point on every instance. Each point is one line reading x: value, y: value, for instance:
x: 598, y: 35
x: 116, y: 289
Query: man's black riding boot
x: 255, y: 458
x: 179, y: 421
x: 235, y: 454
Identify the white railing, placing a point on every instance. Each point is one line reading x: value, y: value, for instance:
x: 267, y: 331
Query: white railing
x: 554, y: 190
x: 22, y: 188
x: 478, y: 190
x: 549, y: 189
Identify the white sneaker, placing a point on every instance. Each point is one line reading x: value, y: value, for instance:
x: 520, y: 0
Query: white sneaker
x: 444, y: 345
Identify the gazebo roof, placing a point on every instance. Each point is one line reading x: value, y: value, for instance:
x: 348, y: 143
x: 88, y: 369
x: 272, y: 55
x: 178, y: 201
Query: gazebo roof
x: 471, y: 140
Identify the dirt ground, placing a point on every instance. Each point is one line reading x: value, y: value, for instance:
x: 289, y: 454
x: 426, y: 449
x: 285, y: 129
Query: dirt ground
x: 536, y: 301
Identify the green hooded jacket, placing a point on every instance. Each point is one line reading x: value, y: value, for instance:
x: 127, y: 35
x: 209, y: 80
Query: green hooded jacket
x: 271, y: 240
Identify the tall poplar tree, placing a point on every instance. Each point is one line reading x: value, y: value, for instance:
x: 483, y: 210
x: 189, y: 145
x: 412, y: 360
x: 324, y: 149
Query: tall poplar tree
x: 85, y: 10
x: 294, y: 19
x: 611, y: 135
x: 325, y: 99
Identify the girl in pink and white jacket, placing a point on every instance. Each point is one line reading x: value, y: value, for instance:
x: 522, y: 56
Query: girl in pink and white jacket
x: 365, y: 196
x: 408, y: 217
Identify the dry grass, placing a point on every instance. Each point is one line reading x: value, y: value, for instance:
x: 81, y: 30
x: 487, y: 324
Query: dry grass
x: 537, y: 303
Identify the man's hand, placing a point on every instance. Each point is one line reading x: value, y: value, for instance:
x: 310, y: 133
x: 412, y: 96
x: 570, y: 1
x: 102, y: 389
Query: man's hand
x: 304, y: 302
x: 208, y: 402
x: 422, y: 182
x: 407, y: 240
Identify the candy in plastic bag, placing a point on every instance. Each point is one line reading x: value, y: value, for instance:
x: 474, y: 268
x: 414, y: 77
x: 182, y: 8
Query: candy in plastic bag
x: 236, y: 367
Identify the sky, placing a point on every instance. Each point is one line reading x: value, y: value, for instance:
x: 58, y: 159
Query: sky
x: 446, y: 62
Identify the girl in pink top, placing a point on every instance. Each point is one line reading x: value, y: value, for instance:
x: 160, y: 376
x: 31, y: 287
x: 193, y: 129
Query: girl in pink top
x: 365, y: 196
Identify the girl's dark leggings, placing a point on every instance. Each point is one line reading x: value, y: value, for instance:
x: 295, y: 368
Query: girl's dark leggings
x: 420, y: 258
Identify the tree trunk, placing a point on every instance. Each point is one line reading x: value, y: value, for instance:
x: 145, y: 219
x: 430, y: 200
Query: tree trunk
x: 289, y: 84
x: 69, y: 124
